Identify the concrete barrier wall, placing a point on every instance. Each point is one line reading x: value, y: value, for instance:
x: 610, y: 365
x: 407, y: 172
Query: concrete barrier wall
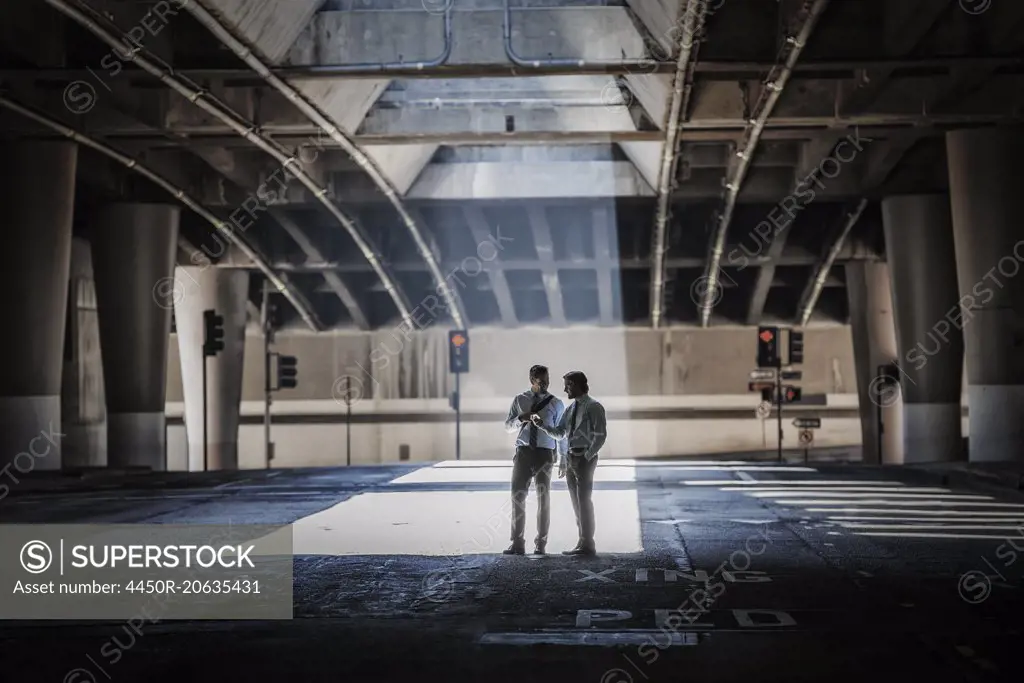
x: 667, y: 392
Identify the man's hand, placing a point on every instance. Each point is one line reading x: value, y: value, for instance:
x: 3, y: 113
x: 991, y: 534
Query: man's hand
x: 561, y: 469
x: 524, y: 417
x: 535, y: 418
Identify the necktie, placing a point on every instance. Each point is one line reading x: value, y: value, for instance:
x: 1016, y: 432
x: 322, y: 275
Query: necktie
x: 572, y: 421
x: 533, y: 427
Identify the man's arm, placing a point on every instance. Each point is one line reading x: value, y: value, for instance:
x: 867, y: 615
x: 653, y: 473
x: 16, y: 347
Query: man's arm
x: 559, y: 430
x: 562, y: 444
x: 512, y: 422
x: 599, y: 429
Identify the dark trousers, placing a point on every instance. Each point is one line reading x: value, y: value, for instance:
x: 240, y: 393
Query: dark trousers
x: 579, y: 477
x: 531, y: 464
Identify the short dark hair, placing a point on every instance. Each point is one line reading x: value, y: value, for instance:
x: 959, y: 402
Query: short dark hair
x: 579, y: 379
x: 538, y: 370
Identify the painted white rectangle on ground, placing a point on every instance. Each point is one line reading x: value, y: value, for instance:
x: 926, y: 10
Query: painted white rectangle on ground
x: 594, y: 638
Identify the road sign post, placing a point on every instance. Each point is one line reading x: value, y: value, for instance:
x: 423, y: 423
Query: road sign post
x: 806, y: 439
x: 458, y: 363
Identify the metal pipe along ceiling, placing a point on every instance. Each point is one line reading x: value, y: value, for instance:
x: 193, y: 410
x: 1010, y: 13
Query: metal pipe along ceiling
x: 245, y: 53
x: 807, y: 307
x: 282, y: 285
x: 774, y: 85
x: 694, y: 13
x: 246, y: 129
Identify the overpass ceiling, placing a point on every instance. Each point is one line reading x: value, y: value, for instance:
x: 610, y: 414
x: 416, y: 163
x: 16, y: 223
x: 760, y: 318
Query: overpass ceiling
x: 560, y: 152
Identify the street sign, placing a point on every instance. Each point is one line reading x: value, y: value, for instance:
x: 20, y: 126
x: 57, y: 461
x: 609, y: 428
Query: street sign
x: 756, y: 375
x: 792, y: 375
x: 764, y: 409
x: 806, y: 437
x: 760, y: 386
x: 807, y: 422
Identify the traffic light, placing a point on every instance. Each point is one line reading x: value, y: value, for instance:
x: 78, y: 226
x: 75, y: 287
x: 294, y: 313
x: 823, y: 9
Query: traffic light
x: 213, y: 333
x: 458, y: 351
x: 767, y: 347
x: 287, y: 372
x: 791, y: 394
x: 796, y: 347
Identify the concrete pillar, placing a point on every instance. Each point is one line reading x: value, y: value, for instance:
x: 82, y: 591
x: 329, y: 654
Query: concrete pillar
x: 37, y: 193
x: 83, y: 406
x: 922, y: 265
x: 225, y: 291
x: 874, y: 344
x: 134, y: 250
x: 987, y: 196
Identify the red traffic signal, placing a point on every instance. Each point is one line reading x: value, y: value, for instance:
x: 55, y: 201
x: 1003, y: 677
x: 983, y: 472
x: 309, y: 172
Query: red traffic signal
x: 791, y: 394
x: 766, y: 336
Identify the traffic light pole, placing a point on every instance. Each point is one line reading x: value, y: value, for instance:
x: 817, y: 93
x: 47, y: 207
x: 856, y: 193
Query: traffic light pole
x: 206, y: 449
x: 778, y: 391
x: 348, y: 420
x: 265, y: 314
x: 458, y: 418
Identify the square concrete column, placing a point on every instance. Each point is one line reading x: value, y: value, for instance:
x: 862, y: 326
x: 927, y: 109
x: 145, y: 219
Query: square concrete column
x: 874, y: 344
x: 37, y: 193
x: 226, y: 292
x: 986, y: 184
x: 134, y: 249
x: 922, y: 265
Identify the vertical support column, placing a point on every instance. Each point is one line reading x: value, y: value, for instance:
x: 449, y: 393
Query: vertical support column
x: 922, y: 260
x: 134, y: 249
x: 37, y: 193
x: 226, y: 291
x: 874, y: 344
x: 986, y: 183
x: 83, y: 406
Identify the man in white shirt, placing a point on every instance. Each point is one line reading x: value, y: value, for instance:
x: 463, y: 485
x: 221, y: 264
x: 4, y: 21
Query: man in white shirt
x: 535, y: 456
x: 585, y: 427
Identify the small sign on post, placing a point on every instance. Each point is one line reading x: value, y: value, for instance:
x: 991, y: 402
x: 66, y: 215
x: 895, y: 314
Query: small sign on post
x: 764, y: 409
x: 762, y: 375
x: 806, y: 437
x: 807, y: 423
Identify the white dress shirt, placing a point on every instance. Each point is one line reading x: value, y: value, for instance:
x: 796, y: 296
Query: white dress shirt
x: 591, y: 427
x: 549, y: 414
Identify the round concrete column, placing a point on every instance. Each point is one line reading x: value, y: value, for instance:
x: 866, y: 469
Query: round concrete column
x: 83, y: 409
x: 874, y: 344
x: 225, y: 291
x: 37, y: 193
x: 987, y: 197
x: 922, y: 266
x: 134, y: 248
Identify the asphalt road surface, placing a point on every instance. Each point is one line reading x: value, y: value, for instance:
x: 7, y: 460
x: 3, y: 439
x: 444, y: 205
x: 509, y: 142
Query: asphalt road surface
x: 707, y: 571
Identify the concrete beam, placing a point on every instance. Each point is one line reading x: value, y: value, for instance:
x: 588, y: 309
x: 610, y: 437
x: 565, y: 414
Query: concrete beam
x: 333, y: 280
x: 538, y: 219
x: 499, y: 283
x: 371, y: 37
x: 494, y: 180
x: 646, y: 157
x: 603, y: 217
x: 264, y: 23
x: 401, y: 164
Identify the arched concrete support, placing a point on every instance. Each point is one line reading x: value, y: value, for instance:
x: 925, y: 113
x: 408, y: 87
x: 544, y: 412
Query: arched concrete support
x: 225, y: 291
x: 83, y: 407
x: 987, y: 197
x: 874, y: 344
x: 922, y: 265
x: 134, y: 249
x: 37, y: 192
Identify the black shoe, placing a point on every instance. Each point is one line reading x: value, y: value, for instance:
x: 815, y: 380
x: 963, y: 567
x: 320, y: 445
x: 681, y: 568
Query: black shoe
x: 574, y: 551
x: 540, y: 549
x: 514, y: 549
x: 586, y: 550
